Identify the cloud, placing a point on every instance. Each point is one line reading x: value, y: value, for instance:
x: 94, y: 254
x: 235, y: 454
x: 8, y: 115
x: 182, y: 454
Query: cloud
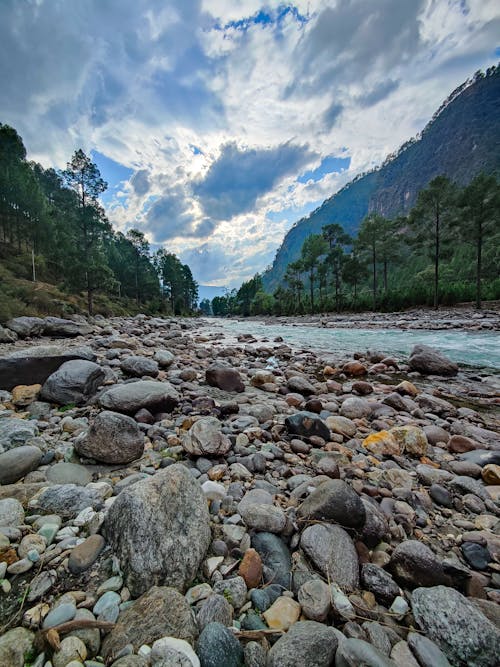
x: 239, y: 176
x: 140, y: 182
x: 378, y: 93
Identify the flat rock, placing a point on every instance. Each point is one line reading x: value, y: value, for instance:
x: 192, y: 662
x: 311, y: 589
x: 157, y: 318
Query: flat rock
x: 460, y: 630
x: 159, y: 529
x: 112, y: 438
x: 69, y: 473
x: 132, y: 396
x: 56, y: 326
x: 26, y: 326
x: 65, y: 500
x: 160, y: 612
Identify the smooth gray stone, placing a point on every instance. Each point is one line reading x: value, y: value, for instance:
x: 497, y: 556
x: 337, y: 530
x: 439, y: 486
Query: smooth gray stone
x: 74, y: 382
x: 426, y: 651
x: 218, y: 647
x: 132, y: 396
x: 18, y: 462
x: 112, y: 438
x: 69, y: 473
x: 332, y: 551
x: 356, y: 652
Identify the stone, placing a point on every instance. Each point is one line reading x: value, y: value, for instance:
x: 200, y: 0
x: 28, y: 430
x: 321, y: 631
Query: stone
x: 307, y: 424
x: 376, y: 526
x: 160, y: 612
x: 234, y: 589
x: 460, y: 630
x: 382, y: 443
x: 164, y: 358
x: 357, y: 652
x: 35, y: 364
x: 491, y: 474
x: 342, y: 426
x: 332, y: 551
x: 282, y: 614
x: 73, y: 383
x: 355, y: 408
x: 205, y: 438
x: 160, y: 530
x: 26, y: 326
x: 265, y: 518
x: 379, y: 582
x: 56, y: 326
x: 255, y: 655
x: 71, y: 649
x: 218, y: 647
x: 176, y: 652
x: 276, y: 558
x: 334, y: 501
x: 215, y: 609
x: 132, y: 396
x: 24, y: 394
x: 254, y: 497
x: 91, y: 637
x: 436, y: 434
x: 459, y: 444
x: 413, y: 564
x: 15, y: 644
x: 426, y: 651
x: 15, y: 432
x: 66, y: 500
x: 7, y: 335
x: 69, y: 473
x: 251, y: 568
x: 11, y: 512
x: 306, y: 643
x: 402, y: 655
x: 428, y: 361
x: 225, y: 378
x: 354, y: 368
x: 60, y: 614
x: 111, y: 438
x: 300, y: 385
x: 315, y: 599
x: 85, y: 554
x: 18, y: 462
x: 476, y: 555
x: 411, y: 439
x: 137, y: 366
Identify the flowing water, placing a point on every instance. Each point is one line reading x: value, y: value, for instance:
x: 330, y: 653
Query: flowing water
x: 479, y: 349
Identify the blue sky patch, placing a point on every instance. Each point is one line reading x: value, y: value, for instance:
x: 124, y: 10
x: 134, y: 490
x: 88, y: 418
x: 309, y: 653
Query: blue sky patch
x: 112, y: 172
x: 329, y: 165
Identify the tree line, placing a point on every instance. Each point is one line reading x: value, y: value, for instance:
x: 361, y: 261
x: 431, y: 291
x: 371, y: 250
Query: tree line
x: 56, y: 217
x: 446, y: 250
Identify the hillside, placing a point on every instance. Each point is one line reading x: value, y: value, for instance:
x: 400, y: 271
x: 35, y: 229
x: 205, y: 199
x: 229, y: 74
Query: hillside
x: 462, y: 139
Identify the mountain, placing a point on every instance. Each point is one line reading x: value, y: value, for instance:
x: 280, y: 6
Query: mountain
x: 461, y: 139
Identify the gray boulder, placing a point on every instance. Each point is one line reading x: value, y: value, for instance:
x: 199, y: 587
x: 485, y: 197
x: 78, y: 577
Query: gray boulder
x: 112, y: 438
x: 463, y: 633
x: 18, y: 462
x: 160, y: 530
x: 306, y: 643
x: 225, y: 378
x: 74, y: 382
x: 33, y: 365
x: 307, y: 424
x: 132, y: 396
x: 26, y: 326
x: 66, y: 500
x: 205, y: 438
x: 56, y: 326
x: 332, y: 551
x: 15, y: 432
x: 164, y: 358
x: 7, y: 335
x: 357, y: 653
x: 428, y: 361
x: 334, y: 501
x: 413, y: 564
x: 138, y: 366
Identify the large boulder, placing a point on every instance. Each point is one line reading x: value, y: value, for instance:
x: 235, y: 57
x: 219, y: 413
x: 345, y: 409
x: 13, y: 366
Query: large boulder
x: 160, y: 530
x: 132, y: 396
x: 224, y: 378
x: 56, y: 326
x: 137, y: 366
x: 74, y: 382
x: 7, y: 335
x: 26, y: 326
x: 33, y: 365
x: 160, y: 612
x: 428, y: 361
x: 457, y: 626
x: 111, y: 438
x: 205, y: 438
x: 15, y: 432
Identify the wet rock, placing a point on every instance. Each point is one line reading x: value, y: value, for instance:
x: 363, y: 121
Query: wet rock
x: 332, y: 551
x: 111, y: 438
x: 18, y: 462
x: 132, y: 396
x: 414, y: 564
x: 460, y: 630
x: 218, y: 647
x: 137, y: 366
x: 428, y: 361
x: 306, y: 643
x: 74, y: 382
x: 205, y: 438
x: 225, y: 378
x: 334, y: 501
x: 160, y: 612
x: 307, y: 424
x: 159, y: 528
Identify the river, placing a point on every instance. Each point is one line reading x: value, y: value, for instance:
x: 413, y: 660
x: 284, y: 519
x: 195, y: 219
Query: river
x: 479, y: 349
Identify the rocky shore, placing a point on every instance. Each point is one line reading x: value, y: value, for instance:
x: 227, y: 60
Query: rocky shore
x: 172, y: 499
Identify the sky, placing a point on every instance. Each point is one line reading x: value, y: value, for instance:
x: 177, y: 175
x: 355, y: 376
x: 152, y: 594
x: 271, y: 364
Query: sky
x: 219, y: 123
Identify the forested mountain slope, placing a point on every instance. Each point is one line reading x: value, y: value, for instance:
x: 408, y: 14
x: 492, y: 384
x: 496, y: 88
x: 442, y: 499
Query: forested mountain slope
x: 462, y: 139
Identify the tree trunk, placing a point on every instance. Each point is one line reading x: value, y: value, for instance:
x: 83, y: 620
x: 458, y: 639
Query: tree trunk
x: 90, y: 301
x: 385, y: 276
x: 436, y: 264
x: 311, y: 288
x: 374, y: 259
x: 479, y: 268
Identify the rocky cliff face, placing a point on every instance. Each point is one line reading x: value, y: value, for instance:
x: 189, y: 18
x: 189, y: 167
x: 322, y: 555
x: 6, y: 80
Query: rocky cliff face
x: 461, y: 140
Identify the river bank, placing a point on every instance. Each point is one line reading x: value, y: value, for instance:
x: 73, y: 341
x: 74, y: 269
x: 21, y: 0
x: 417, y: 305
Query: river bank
x: 225, y: 498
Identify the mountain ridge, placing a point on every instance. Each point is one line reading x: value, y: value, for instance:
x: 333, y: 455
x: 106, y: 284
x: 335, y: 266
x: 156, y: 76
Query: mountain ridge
x: 461, y: 139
